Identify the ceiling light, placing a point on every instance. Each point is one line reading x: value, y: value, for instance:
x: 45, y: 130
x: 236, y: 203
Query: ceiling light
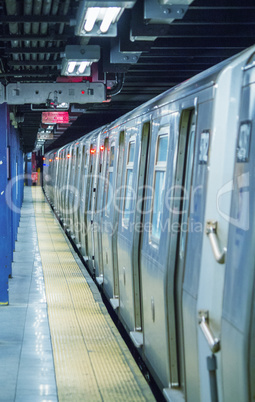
x: 90, y: 18
x: 110, y: 16
x: 78, y: 60
x: 99, y: 17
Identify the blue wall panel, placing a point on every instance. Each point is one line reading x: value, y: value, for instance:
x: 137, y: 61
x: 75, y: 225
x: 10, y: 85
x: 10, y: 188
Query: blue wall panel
x: 11, y: 197
x: 5, y: 245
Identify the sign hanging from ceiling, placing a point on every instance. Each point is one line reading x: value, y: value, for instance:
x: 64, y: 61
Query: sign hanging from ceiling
x: 55, y: 117
x: 45, y: 136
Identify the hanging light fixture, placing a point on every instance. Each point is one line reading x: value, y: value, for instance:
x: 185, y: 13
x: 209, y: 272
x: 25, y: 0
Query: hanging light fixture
x: 77, y: 60
x: 99, y: 18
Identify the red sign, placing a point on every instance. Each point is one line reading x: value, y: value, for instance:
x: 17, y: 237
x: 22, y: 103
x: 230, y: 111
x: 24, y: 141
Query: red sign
x: 55, y: 117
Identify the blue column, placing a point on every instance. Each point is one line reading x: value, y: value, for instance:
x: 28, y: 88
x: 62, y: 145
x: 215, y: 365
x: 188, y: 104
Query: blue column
x: 5, y: 247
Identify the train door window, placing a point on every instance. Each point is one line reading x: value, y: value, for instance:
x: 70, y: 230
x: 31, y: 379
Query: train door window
x: 159, y: 184
x: 128, y: 183
x: 109, y: 194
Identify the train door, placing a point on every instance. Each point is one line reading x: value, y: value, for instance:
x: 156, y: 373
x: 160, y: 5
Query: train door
x: 76, y: 199
x: 79, y: 192
x: 130, y: 229
x: 72, y: 188
x: 187, y: 227
x: 70, y: 159
x: 180, y: 209
x: 61, y: 184
x: 89, y: 204
x: 110, y: 218
x: 99, y: 210
x: 238, y: 317
x: 116, y: 198
x: 153, y: 253
x: 83, y: 220
x: 66, y: 186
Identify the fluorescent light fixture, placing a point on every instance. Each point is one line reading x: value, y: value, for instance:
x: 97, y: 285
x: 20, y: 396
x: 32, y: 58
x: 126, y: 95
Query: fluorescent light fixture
x: 78, y: 60
x: 82, y: 67
x: 99, y: 17
x: 78, y: 68
x: 71, y: 67
x: 90, y: 18
x: 111, y: 14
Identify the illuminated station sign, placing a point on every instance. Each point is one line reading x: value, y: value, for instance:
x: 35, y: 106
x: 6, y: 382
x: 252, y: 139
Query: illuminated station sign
x: 55, y: 117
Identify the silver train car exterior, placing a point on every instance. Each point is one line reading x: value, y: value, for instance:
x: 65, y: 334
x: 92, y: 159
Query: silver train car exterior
x: 161, y: 205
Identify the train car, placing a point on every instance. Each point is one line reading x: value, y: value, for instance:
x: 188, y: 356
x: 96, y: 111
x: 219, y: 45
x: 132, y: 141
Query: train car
x: 164, y: 218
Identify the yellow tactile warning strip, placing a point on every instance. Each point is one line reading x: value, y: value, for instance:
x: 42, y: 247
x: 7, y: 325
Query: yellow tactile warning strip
x: 92, y: 362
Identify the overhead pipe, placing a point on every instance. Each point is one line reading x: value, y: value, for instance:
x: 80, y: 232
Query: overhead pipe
x: 117, y: 88
x: 44, y: 25
x: 12, y: 9
x: 37, y: 7
x: 28, y: 6
x: 63, y: 10
x: 54, y: 11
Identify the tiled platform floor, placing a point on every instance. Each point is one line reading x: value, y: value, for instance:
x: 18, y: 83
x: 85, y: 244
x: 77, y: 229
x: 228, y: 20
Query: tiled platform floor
x: 70, y: 341
x: 26, y: 359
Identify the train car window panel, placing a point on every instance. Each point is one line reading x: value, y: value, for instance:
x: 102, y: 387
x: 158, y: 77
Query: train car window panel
x: 128, y: 184
x: 112, y: 155
x: 82, y: 171
x: 159, y: 186
x: 204, y: 147
x: 243, y: 142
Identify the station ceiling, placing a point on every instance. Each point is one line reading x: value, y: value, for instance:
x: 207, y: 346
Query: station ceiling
x: 151, y: 57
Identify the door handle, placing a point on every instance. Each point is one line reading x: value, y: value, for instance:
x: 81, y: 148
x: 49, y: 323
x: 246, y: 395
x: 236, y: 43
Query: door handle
x: 211, y: 231
x: 203, y: 320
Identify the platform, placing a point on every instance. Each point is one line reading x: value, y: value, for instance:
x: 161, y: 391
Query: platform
x: 57, y: 340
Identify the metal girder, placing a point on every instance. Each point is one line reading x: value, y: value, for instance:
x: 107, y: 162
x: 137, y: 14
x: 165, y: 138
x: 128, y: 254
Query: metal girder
x: 29, y: 63
x: 116, y: 56
x: 36, y: 37
x: 38, y: 93
x: 164, y: 13
x: 50, y: 19
x: 29, y: 50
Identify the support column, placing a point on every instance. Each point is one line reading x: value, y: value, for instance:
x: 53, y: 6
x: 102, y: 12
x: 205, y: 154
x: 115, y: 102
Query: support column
x: 5, y: 248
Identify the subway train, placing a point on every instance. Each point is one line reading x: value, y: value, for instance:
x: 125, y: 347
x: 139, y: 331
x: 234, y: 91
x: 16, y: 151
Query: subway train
x: 161, y: 205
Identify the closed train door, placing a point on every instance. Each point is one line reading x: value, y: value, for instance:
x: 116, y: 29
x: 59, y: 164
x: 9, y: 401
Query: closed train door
x: 187, y: 204
x: 238, y: 317
x: 89, y: 206
x: 84, y: 180
x: 153, y: 252
x: 212, y: 285
x: 110, y: 217
x: 130, y: 228
x: 99, y: 209
x: 78, y: 179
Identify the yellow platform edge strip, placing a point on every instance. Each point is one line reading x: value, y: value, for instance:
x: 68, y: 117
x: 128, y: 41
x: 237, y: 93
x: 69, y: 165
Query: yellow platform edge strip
x: 92, y: 362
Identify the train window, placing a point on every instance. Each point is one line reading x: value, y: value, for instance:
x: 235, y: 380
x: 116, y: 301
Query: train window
x: 243, y: 142
x: 162, y: 148
x: 82, y: 170
x: 159, y: 184
x: 112, y: 156
x: 128, y: 184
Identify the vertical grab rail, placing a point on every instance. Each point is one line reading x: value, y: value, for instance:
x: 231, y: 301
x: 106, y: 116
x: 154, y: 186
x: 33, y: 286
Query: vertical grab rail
x: 211, y: 231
